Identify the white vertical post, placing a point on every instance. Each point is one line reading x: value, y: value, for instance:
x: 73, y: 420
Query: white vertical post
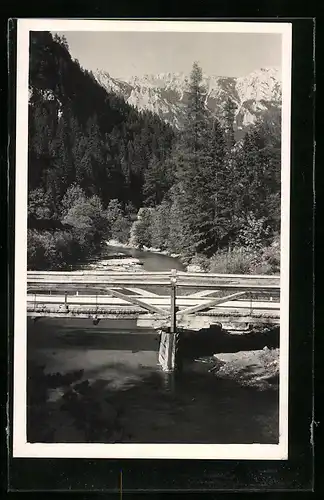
x: 173, y: 324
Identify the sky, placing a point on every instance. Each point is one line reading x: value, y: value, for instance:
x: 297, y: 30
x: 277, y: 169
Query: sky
x: 126, y: 54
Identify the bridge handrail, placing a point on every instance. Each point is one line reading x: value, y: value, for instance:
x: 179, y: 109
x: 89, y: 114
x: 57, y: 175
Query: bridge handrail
x: 150, y: 273
x: 32, y: 275
x: 102, y: 280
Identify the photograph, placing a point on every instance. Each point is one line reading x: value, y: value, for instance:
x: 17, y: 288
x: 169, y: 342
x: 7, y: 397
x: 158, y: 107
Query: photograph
x: 152, y: 195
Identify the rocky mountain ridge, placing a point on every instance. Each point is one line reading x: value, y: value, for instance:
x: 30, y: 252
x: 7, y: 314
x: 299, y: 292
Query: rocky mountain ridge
x: 166, y: 93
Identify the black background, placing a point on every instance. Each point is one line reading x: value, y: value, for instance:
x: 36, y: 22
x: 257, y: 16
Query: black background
x: 153, y: 475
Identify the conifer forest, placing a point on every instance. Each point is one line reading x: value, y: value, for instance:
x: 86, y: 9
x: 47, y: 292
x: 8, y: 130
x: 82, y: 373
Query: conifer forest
x: 100, y: 169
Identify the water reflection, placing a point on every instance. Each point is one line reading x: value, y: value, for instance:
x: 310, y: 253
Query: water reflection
x: 112, y: 377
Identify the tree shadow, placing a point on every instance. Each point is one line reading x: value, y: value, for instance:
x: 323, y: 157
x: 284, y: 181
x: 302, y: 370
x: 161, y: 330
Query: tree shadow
x: 213, y: 340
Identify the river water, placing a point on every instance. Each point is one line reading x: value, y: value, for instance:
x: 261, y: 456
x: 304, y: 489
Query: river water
x: 151, y: 261
x: 120, y: 394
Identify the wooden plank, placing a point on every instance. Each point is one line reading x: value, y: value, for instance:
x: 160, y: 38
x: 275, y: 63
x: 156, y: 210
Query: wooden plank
x: 81, y: 285
x: 133, y: 300
x: 96, y: 272
x: 178, y: 274
x: 98, y: 277
x: 148, y: 273
x: 227, y: 286
x: 161, y: 301
x: 78, y: 285
x: 264, y: 313
x: 200, y: 294
x: 209, y: 304
x: 221, y: 275
x: 154, y: 320
x: 173, y: 325
x: 85, y: 315
x: 92, y: 284
x: 143, y: 293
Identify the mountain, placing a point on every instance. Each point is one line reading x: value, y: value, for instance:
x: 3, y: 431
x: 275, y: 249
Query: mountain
x: 166, y: 94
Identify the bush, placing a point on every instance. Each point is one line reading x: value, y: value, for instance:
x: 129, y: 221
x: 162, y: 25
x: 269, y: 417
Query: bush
x: 89, y: 223
x: 46, y: 250
x: 120, y: 223
x: 141, y: 228
x: 67, y: 247
x: 73, y: 195
x: 271, y: 256
x: 235, y: 261
x: 40, y: 204
x: 246, y: 261
x: 200, y: 261
x: 254, y: 232
x: 41, y: 249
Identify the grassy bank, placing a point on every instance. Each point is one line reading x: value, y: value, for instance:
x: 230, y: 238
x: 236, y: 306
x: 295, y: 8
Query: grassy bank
x: 240, y: 260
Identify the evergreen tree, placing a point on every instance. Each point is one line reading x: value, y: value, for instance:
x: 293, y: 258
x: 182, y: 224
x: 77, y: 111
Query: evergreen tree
x: 158, y: 179
x: 229, y: 120
x: 160, y: 225
x: 257, y: 191
x: 200, y: 171
x: 179, y: 233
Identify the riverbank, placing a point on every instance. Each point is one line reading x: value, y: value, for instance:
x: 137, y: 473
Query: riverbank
x: 238, y: 260
x: 116, y: 264
x: 258, y: 369
x: 158, y: 251
x: 115, y: 243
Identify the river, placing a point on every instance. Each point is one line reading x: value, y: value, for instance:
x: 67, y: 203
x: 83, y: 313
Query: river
x: 120, y: 394
x: 151, y: 261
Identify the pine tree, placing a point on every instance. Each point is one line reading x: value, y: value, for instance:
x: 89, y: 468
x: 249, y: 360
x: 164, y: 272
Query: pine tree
x: 229, y: 120
x: 199, y: 162
x: 160, y: 225
x: 257, y: 190
x: 158, y: 179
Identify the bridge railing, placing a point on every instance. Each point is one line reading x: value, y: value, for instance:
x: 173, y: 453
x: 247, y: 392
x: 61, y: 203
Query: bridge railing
x: 146, y: 278
x: 99, y: 284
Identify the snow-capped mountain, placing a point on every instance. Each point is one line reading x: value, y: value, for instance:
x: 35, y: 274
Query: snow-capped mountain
x: 165, y: 94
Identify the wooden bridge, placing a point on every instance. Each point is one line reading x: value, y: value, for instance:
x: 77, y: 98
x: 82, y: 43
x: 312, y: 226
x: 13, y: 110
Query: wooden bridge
x: 168, y: 300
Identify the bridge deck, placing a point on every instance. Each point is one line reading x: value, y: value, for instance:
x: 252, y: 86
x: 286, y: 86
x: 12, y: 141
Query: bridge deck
x: 123, y: 295
x: 163, y: 302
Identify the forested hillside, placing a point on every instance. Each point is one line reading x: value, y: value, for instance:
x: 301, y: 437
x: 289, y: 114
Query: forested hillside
x: 100, y: 169
x: 88, y: 154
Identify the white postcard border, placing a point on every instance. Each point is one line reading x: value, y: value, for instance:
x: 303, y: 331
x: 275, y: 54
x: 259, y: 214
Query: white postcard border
x: 21, y: 448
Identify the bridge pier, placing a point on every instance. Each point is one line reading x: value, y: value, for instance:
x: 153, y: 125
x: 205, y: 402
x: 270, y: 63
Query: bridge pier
x: 168, y: 337
x: 167, y: 350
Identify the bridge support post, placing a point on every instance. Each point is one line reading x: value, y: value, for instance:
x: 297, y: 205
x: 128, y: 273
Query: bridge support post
x: 167, y: 351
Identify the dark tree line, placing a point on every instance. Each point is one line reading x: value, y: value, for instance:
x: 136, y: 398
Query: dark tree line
x: 95, y: 161
x: 79, y: 133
